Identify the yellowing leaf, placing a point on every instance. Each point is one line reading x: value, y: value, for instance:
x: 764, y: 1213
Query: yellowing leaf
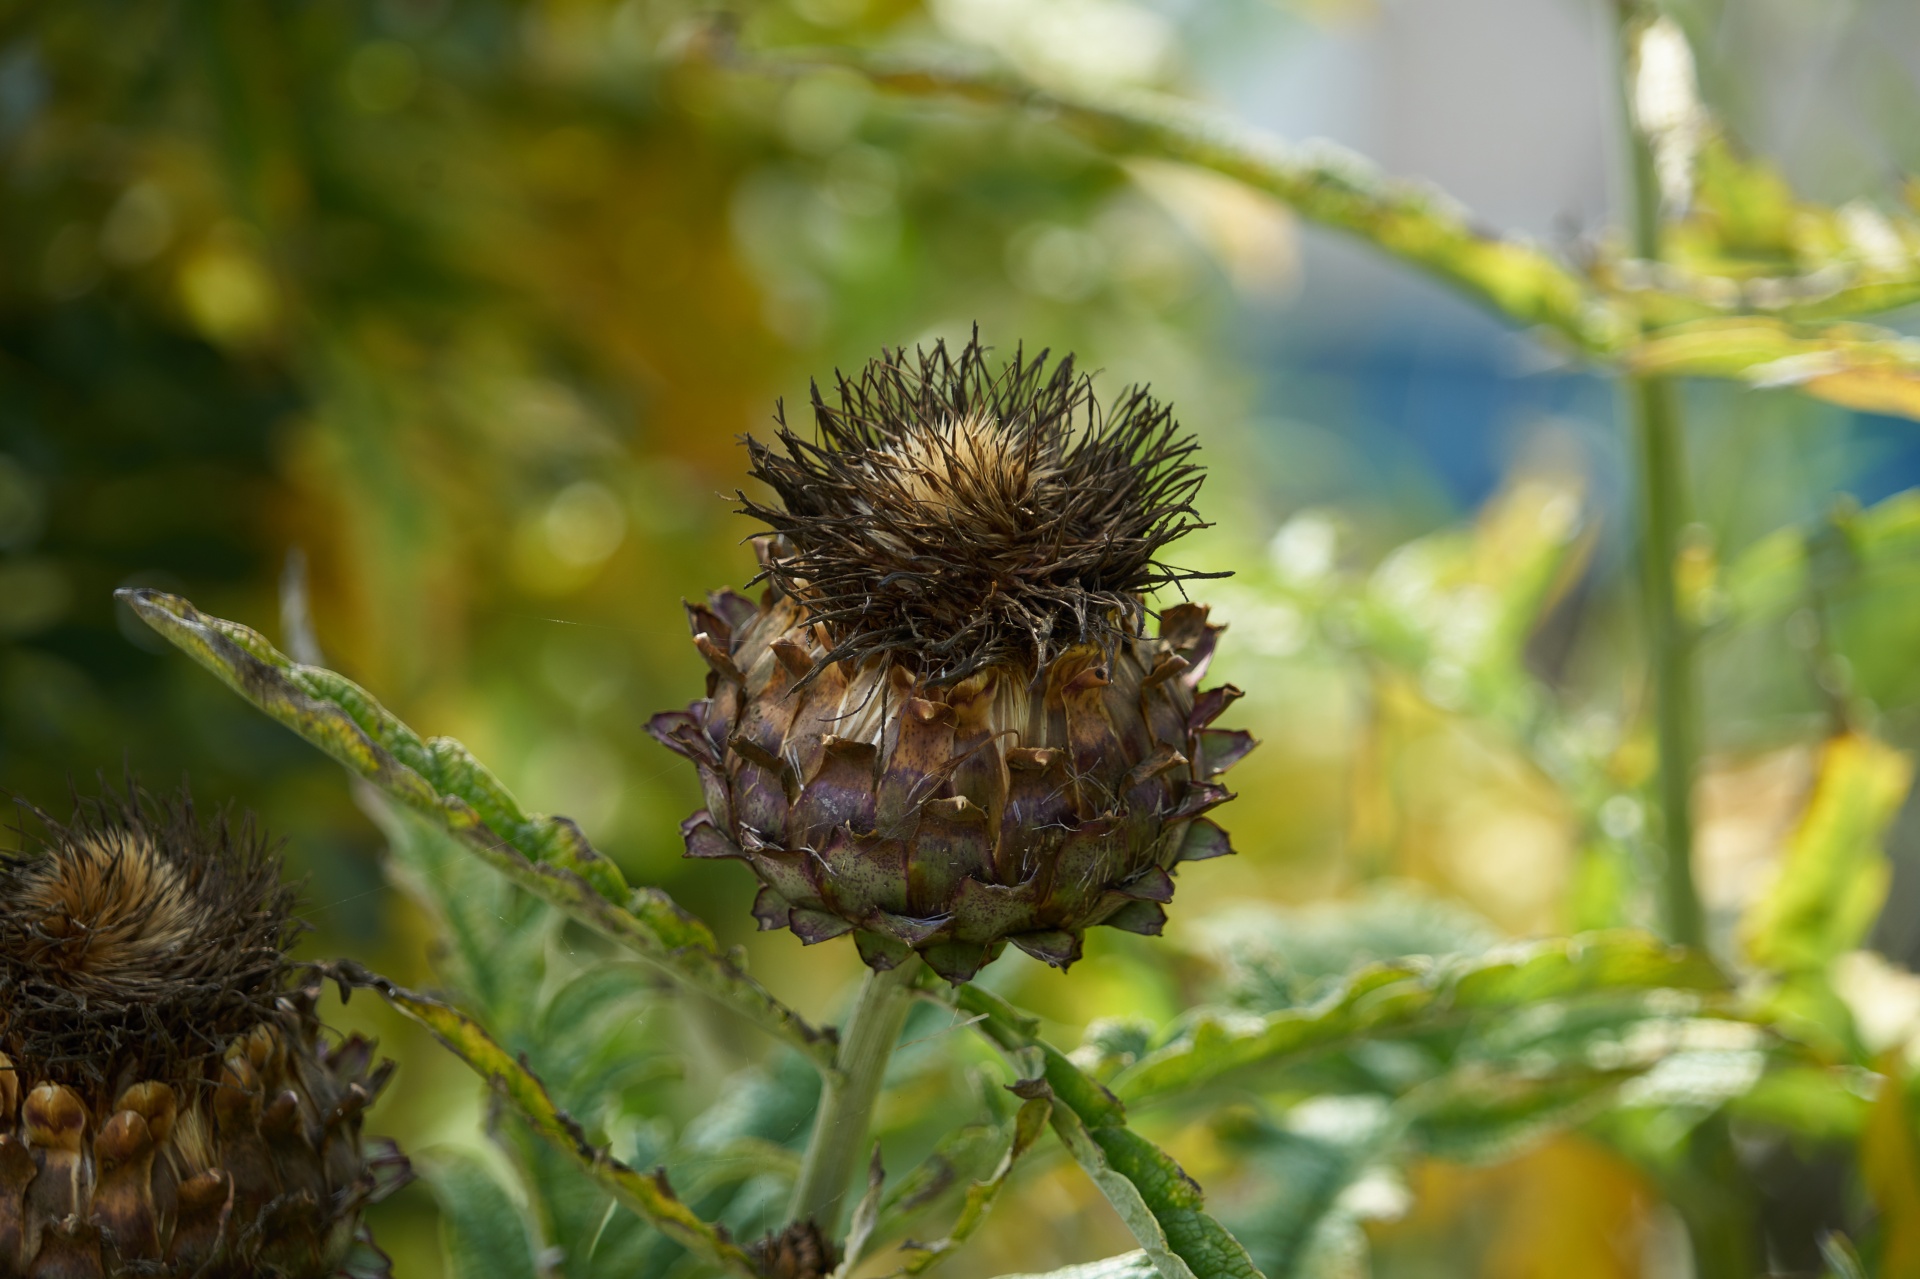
x: 649, y: 1196
x: 441, y: 781
x: 1891, y: 1169
x: 1853, y: 365
x: 1571, y: 1209
x: 1161, y: 1205
x: 1834, y: 876
x: 1880, y: 389
x: 1024, y: 1131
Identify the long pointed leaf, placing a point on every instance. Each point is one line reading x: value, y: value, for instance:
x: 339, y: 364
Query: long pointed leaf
x: 1337, y: 188
x: 482, y: 1230
x: 649, y: 1196
x: 438, y: 778
x: 1022, y: 1133
x: 1160, y: 1203
x: 1848, y: 364
x: 1409, y: 995
x: 1128, y: 1197
x: 1834, y: 876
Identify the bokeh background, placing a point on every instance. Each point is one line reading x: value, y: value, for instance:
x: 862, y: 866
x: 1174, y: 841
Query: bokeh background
x: 464, y: 305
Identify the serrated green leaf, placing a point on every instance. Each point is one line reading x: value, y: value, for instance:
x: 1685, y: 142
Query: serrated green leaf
x: 1145, y: 1221
x: 587, y: 1229
x: 1826, y: 1103
x: 1279, y: 958
x: 1024, y: 1131
x: 493, y: 938
x: 1745, y: 226
x: 1689, y: 331
x: 481, y: 1229
x: 590, y: 1038
x: 650, y: 1197
x: 1293, y: 1213
x: 1478, y: 1115
x: 1161, y: 1204
x: 1411, y: 995
x: 964, y: 1155
x: 441, y: 781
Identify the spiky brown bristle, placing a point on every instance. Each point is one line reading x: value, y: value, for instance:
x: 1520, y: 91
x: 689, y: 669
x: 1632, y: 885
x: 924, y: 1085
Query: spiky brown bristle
x: 137, y: 940
x: 954, y: 518
x: 801, y: 1251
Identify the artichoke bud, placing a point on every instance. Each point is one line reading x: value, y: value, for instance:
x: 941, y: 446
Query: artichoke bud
x: 944, y: 726
x: 168, y: 1103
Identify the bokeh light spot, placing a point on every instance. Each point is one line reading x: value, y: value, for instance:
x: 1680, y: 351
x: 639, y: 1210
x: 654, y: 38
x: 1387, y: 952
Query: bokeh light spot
x: 382, y: 76
x: 584, y: 524
x: 139, y: 227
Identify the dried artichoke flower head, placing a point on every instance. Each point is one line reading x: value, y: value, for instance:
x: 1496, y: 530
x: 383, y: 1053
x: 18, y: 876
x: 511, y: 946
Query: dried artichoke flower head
x: 167, y: 1103
x: 943, y: 726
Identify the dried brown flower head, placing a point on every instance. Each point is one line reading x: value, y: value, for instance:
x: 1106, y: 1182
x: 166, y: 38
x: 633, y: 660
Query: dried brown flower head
x: 167, y: 1103
x: 137, y: 936
x: 951, y: 518
x: 942, y: 728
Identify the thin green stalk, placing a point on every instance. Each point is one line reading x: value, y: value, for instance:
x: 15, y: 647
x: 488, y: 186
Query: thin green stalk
x: 1652, y: 411
x: 1708, y: 1187
x: 839, y: 1141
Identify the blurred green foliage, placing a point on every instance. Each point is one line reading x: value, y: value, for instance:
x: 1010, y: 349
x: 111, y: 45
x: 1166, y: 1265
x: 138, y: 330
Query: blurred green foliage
x: 465, y: 304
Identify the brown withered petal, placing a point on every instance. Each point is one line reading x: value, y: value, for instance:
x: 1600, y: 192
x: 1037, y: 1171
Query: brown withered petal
x: 1054, y: 785
x: 169, y: 1103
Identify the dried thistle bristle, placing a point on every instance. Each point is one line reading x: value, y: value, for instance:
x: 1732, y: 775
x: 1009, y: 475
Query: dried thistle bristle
x: 953, y: 518
x: 109, y: 906
x: 137, y: 940
x: 801, y: 1251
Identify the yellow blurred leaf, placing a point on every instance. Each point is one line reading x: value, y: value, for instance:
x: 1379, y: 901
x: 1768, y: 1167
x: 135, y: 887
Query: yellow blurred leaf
x: 1570, y: 1208
x: 1743, y: 204
x: 1853, y: 365
x: 1834, y: 876
x: 1871, y: 390
x: 1891, y: 1169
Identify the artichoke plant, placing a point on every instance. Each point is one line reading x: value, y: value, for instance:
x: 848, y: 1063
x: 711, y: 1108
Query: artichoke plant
x: 943, y: 725
x: 168, y: 1103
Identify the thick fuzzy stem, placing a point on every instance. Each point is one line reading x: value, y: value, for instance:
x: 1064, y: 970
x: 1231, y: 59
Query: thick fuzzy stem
x: 840, y: 1128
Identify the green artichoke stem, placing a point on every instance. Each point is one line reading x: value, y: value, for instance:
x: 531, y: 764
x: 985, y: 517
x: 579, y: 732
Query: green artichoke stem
x: 1651, y: 408
x: 1711, y: 1190
x: 840, y: 1127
